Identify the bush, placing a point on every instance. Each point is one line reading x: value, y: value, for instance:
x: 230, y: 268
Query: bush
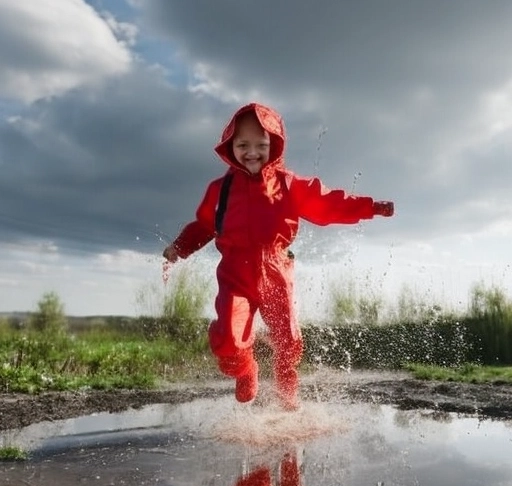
x: 441, y: 343
x: 50, y: 317
x: 182, y: 310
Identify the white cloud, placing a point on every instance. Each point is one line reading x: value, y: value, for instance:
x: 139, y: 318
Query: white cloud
x: 50, y: 46
x: 497, y: 110
x: 214, y: 82
x: 206, y: 82
x: 127, y: 33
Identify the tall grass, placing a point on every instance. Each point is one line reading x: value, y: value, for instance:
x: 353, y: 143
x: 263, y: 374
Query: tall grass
x: 181, y: 308
x: 490, y: 324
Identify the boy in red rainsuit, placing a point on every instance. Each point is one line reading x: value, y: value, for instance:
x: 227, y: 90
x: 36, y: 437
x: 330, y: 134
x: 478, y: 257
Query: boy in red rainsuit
x: 253, y: 214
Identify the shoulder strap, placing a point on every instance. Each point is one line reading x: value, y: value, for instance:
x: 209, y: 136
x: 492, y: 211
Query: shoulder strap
x: 286, y: 179
x: 222, y: 204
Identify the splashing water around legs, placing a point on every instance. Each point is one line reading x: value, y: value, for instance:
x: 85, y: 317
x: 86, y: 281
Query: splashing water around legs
x: 271, y: 426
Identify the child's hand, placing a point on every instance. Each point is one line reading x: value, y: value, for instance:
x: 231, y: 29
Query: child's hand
x: 170, y: 254
x: 383, y: 208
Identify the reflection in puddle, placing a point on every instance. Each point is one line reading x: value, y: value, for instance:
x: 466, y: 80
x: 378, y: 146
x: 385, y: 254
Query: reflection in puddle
x: 218, y: 442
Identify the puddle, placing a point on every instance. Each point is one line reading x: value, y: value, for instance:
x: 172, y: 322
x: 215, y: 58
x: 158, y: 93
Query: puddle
x: 218, y: 442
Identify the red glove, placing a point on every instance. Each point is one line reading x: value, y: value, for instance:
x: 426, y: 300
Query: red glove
x: 383, y: 208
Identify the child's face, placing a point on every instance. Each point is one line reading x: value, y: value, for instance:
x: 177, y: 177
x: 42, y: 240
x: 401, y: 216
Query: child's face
x: 251, y: 144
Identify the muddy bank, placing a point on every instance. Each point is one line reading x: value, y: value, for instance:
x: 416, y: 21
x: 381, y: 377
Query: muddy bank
x: 487, y: 400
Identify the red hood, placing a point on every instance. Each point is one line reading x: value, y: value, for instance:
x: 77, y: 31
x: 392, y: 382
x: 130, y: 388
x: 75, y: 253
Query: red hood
x: 270, y: 120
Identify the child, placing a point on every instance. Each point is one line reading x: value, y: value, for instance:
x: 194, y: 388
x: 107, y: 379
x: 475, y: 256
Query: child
x: 253, y: 214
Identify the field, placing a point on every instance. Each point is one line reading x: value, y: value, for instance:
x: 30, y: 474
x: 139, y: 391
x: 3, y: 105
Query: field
x: 56, y: 366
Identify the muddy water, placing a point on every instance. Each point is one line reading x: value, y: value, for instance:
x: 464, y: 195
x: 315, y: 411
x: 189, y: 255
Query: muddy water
x: 218, y: 442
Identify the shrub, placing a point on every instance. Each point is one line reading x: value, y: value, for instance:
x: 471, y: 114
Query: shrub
x: 441, y: 342
x: 50, y: 317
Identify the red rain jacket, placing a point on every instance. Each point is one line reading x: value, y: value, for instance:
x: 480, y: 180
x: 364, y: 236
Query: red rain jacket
x: 263, y: 210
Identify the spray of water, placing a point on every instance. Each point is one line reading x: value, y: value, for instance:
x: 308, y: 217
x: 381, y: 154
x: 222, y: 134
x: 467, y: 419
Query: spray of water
x: 161, y: 236
x: 357, y: 175
x: 163, y: 240
x: 270, y: 426
x: 321, y: 133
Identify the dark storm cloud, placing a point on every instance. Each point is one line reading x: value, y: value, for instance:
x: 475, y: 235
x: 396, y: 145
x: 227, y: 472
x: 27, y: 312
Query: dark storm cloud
x: 347, y: 47
x: 100, y: 168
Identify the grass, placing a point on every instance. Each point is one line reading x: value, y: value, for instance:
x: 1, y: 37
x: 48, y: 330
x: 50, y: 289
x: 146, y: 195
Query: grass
x: 46, y: 354
x: 468, y: 373
x: 35, y: 362
x: 10, y: 453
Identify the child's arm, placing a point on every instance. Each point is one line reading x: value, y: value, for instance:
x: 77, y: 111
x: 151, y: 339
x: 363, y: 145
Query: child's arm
x: 322, y: 206
x: 192, y: 238
x: 199, y: 232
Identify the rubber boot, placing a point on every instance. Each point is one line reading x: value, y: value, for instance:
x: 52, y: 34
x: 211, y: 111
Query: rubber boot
x: 287, y: 383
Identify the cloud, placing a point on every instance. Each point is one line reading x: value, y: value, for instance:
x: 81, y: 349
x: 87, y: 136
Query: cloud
x: 96, y: 168
x: 50, y: 46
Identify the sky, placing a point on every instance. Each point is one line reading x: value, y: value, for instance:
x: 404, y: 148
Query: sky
x: 109, y: 111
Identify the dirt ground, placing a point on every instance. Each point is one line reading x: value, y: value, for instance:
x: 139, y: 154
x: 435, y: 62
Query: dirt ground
x: 399, y: 389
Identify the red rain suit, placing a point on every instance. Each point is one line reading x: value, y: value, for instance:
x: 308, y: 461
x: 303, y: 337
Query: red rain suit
x: 255, y: 272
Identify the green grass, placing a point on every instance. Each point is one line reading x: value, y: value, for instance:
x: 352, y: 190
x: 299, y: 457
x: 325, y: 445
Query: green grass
x: 44, y: 353
x: 34, y: 362
x: 468, y: 373
x: 10, y: 453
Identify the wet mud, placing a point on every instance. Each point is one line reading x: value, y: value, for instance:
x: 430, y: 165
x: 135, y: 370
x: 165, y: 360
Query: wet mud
x: 397, y: 389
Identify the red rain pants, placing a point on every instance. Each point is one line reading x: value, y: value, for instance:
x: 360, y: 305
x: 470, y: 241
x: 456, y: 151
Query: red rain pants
x: 250, y: 280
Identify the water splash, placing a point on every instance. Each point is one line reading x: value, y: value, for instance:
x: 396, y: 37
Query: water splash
x: 323, y: 130
x: 357, y: 175
x: 161, y: 235
x: 163, y: 238
x: 270, y: 426
x: 166, y: 271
